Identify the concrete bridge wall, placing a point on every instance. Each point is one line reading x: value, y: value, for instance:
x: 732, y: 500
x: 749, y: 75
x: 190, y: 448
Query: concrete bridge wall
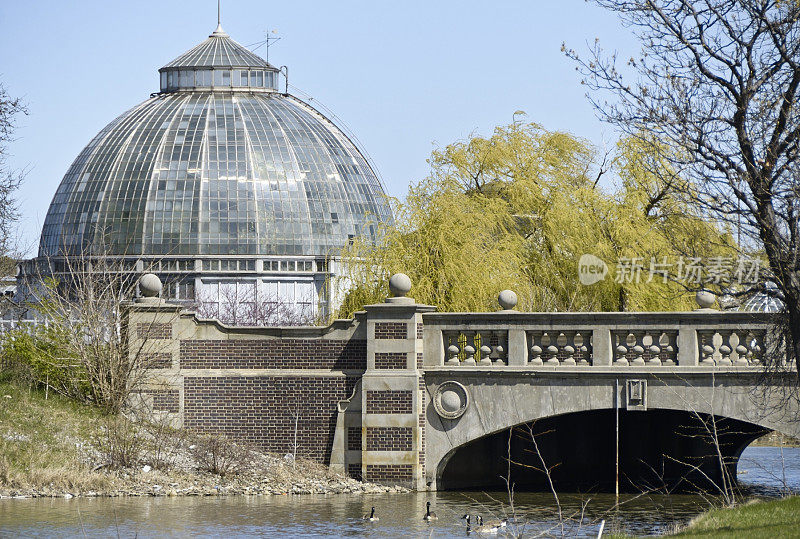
x: 393, y: 394
x: 502, y: 400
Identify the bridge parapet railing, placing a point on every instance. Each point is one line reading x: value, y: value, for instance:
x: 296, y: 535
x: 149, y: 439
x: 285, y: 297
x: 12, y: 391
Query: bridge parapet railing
x: 556, y: 340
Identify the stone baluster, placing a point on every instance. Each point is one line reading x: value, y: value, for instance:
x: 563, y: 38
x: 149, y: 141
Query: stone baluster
x: 655, y: 349
x: 757, y: 347
x: 569, y: 348
x: 638, y: 347
x: 552, y: 348
x: 469, y: 348
x: 725, y: 348
x: 500, y: 349
x: 584, y: 347
x: 620, y: 338
x: 706, y: 346
x: 453, y: 349
x: 741, y: 348
x: 535, y: 357
x: 486, y: 349
x: 671, y: 348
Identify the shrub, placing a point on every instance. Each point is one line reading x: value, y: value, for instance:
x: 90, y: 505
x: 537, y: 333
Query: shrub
x: 39, y: 356
x: 164, y: 442
x: 119, y: 442
x: 217, y: 454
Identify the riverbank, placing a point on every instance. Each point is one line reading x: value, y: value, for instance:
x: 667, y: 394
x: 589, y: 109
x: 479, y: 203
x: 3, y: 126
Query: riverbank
x: 772, y: 518
x: 776, y: 439
x: 53, y: 447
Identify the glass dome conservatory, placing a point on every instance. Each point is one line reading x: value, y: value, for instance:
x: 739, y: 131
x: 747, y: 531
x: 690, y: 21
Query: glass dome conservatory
x: 217, y: 181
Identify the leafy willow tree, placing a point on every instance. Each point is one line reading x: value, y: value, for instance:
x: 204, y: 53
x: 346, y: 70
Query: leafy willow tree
x: 517, y: 210
x: 717, y: 83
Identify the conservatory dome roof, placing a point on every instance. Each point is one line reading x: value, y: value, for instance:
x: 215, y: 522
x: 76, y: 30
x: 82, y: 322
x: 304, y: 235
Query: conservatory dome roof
x: 217, y: 163
x: 219, y: 50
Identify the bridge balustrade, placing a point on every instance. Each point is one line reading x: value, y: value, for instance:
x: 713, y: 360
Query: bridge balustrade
x: 510, y: 339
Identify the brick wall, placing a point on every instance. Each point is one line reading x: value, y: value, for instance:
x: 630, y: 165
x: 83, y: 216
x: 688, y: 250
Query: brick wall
x: 164, y: 400
x: 154, y: 331
x: 419, y: 331
x: 389, y: 402
x: 389, y: 439
x: 354, y: 438
x: 261, y: 410
x: 421, y: 422
x: 390, y: 360
x: 354, y: 471
x: 391, y: 330
x: 388, y: 472
x: 157, y: 361
x: 274, y: 354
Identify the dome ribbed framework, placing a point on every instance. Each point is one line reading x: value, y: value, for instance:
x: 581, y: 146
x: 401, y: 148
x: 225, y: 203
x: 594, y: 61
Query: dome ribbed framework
x: 210, y: 171
x: 219, y: 50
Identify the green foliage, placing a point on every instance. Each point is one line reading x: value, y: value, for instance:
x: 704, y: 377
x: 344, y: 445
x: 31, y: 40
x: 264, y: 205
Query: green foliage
x: 517, y: 210
x: 774, y: 518
x: 40, y: 355
x: 455, y: 246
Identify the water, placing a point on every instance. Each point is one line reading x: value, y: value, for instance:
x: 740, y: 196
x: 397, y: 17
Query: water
x: 762, y: 469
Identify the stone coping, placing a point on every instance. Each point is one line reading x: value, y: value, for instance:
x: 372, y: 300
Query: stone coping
x: 588, y: 369
x: 703, y: 319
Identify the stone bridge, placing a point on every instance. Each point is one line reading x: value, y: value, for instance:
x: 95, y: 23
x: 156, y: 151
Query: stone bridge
x: 402, y: 394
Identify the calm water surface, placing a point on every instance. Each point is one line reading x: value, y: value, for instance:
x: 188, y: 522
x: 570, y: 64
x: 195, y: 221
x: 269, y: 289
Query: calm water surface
x: 763, y: 469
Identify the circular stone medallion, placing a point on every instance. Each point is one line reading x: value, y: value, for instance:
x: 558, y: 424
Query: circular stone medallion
x: 450, y: 400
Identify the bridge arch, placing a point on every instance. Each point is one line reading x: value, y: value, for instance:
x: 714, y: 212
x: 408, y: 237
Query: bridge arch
x: 586, y: 404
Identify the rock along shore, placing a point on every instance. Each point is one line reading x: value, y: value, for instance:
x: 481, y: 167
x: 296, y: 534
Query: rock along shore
x: 309, y: 479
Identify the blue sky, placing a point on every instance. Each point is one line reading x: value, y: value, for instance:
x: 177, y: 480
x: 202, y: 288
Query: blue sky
x: 403, y: 76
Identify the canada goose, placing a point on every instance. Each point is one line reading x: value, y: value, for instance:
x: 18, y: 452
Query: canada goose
x: 428, y: 514
x: 499, y: 523
x: 371, y: 517
x: 485, y: 528
x: 466, y: 517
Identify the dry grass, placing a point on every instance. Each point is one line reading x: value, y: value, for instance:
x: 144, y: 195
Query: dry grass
x: 41, y: 439
x: 53, y: 446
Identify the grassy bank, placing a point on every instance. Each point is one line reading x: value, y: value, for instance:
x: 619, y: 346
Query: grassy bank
x: 774, y: 518
x: 51, y: 446
x: 43, y: 442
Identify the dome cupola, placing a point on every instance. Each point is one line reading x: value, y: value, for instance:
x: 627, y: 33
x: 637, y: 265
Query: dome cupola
x: 220, y: 64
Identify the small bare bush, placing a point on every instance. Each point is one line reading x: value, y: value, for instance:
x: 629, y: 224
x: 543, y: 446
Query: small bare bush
x: 164, y: 442
x: 219, y: 455
x: 119, y: 443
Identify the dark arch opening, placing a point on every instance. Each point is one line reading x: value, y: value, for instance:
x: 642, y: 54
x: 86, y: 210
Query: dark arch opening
x: 658, y: 449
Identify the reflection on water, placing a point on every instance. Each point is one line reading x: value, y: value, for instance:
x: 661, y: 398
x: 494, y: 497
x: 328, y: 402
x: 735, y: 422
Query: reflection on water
x: 340, y: 515
x: 770, y: 470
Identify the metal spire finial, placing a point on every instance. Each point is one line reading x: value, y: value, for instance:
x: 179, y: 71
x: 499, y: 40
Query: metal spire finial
x: 219, y: 32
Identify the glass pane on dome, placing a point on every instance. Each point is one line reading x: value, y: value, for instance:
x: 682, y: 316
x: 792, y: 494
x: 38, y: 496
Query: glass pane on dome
x: 197, y: 173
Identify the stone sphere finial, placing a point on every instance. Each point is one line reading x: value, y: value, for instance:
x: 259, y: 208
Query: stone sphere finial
x: 150, y: 285
x: 705, y: 298
x: 399, y: 284
x: 507, y: 299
